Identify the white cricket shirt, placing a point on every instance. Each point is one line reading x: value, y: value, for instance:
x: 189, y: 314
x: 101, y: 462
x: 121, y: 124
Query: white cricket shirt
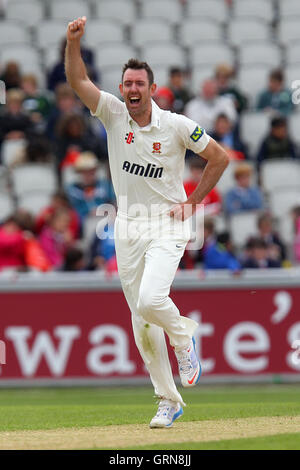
x: 147, y: 163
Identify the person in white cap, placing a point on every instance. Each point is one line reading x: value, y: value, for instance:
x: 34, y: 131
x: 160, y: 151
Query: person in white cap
x: 147, y: 147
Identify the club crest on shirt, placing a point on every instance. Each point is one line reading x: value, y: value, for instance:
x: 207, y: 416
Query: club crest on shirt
x: 197, y: 134
x: 156, y: 147
x: 129, y: 137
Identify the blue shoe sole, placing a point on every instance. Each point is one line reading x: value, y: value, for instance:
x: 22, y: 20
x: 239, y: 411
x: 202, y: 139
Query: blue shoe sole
x: 200, y: 370
x: 176, y: 415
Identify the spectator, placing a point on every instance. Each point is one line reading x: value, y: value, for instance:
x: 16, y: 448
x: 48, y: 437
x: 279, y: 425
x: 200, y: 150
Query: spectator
x: 194, y: 258
x: 90, y: 192
x: 56, y: 239
x: 164, y: 98
x: 224, y: 77
x: 65, y: 103
x: 228, y: 137
x: 181, y: 93
x: 12, y: 245
x: 296, y: 244
x: 204, y: 109
x: 212, y: 202
x: 258, y: 257
x: 278, y: 144
x: 243, y: 197
x: 57, y: 75
x: 103, y: 253
x: 36, y: 103
x: 36, y: 150
x: 72, y: 134
x: 11, y: 76
x: 276, y: 97
x: 219, y: 254
x: 15, y: 124
x: 275, y: 246
x: 74, y: 260
x: 59, y: 201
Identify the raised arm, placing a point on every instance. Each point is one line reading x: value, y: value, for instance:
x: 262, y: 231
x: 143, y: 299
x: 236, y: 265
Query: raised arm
x: 75, y: 69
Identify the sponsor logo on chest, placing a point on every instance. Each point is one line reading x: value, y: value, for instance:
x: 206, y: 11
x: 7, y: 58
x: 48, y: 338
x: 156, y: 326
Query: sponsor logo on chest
x: 149, y: 171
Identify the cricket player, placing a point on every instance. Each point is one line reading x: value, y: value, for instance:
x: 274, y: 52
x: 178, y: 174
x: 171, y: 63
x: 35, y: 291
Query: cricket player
x: 146, y: 156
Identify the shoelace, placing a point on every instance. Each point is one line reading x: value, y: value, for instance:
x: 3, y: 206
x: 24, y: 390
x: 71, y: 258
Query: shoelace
x: 164, y: 409
x: 184, y: 362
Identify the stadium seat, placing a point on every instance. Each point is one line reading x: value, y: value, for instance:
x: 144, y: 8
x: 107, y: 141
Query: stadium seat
x: 262, y: 9
x: 114, y: 55
x: 34, y: 201
x: 50, y: 33
x: 123, y: 11
x: 27, y: 57
x: 289, y: 8
x: 252, y: 80
x: 195, y: 30
x: 29, y: 12
x: 150, y: 31
x: 283, y: 201
x: 243, y: 30
x: 12, y: 33
x: 292, y: 54
x: 89, y: 230
x: 34, y: 177
x: 254, y: 127
x: 286, y: 228
x: 50, y: 56
x: 213, y: 9
x: 161, y: 75
x: 68, y: 175
x: 68, y: 10
x: 277, y: 174
x: 166, y: 54
x: 211, y: 53
x: 289, y: 31
x: 199, y: 75
x: 243, y: 226
x: 100, y: 31
x: 294, y: 126
x: 167, y: 10
x: 11, y: 150
x: 4, y: 180
x: 7, y: 207
x: 260, y: 52
x: 110, y: 79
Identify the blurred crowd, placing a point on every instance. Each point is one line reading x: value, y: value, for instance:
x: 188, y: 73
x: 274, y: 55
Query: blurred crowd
x: 54, y: 128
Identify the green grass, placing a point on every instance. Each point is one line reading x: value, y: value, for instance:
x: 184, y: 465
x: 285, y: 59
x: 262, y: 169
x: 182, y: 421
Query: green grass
x: 80, y: 407
x: 280, y: 442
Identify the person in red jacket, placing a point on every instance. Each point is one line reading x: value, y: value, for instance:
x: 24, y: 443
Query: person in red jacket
x: 212, y: 202
x: 12, y: 245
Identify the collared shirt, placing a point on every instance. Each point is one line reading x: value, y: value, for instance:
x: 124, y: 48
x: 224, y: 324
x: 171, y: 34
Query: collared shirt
x: 147, y: 163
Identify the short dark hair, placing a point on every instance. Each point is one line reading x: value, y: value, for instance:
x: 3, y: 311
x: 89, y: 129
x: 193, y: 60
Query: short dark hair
x: 175, y: 71
x: 277, y: 74
x: 278, y: 121
x: 136, y: 64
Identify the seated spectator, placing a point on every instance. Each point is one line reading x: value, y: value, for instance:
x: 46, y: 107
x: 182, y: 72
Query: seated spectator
x: 164, y: 98
x: 37, y: 103
x: 11, y: 76
x: 55, y: 238
x: 12, y: 245
x: 212, y: 202
x: 205, y: 108
x: 228, y: 137
x: 258, y: 256
x: 276, y: 97
x: 15, y: 123
x: 74, y: 260
x: 219, y: 254
x: 36, y: 150
x: 194, y: 258
x: 65, y: 103
x: 59, y: 201
x: 275, y: 246
x: 278, y: 144
x: 90, y: 192
x: 224, y: 75
x: 181, y: 93
x: 243, y: 197
x: 72, y: 134
x: 57, y: 75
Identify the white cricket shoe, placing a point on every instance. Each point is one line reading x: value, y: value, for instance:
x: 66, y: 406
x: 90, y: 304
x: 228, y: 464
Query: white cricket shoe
x: 166, y: 414
x: 189, y: 365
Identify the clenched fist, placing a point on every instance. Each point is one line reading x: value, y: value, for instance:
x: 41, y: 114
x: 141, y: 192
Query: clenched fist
x: 76, y: 29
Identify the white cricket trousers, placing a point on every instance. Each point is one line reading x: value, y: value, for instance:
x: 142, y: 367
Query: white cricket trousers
x: 148, y: 254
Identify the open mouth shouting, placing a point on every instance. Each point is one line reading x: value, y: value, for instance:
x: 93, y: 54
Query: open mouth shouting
x: 134, y: 100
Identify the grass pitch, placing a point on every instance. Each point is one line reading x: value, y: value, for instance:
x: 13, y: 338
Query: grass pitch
x: 219, y: 417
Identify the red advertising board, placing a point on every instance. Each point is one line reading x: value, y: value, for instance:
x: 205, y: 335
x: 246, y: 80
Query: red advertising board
x: 88, y: 335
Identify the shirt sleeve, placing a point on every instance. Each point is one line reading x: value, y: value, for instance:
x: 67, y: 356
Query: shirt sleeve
x: 192, y: 135
x: 108, y: 109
